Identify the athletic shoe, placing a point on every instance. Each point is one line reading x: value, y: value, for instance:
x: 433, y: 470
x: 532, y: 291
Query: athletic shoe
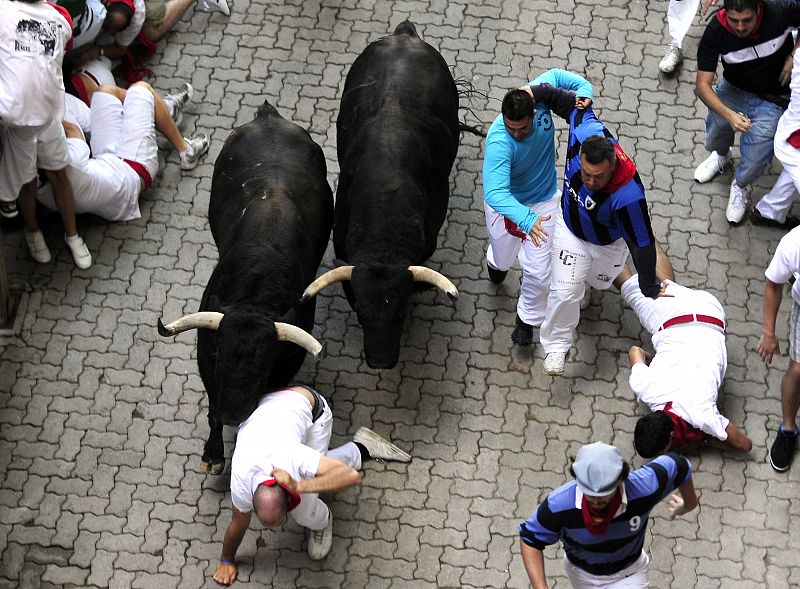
x: 523, y: 334
x: 756, y: 218
x: 737, y: 203
x: 554, y: 363
x: 782, y: 451
x: 80, y: 253
x: 214, y: 6
x: 8, y: 209
x: 672, y: 59
x: 197, y: 146
x: 37, y: 247
x: 495, y: 275
x: 178, y: 100
x: 379, y: 447
x: 320, y: 541
x: 711, y: 166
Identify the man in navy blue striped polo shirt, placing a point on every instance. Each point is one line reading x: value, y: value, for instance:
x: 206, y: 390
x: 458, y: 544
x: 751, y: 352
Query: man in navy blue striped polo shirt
x: 603, y: 216
x: 601, y: 517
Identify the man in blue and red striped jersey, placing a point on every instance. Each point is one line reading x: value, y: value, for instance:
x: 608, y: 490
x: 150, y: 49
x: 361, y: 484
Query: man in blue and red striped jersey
x: 601, y: 517
x: 603, y: 215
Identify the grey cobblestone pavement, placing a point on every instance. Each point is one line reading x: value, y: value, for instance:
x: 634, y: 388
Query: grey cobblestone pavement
x: 102, y: 421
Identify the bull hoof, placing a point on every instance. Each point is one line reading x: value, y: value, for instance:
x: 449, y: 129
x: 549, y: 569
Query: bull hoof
x: 213, y: 467
x: 521, y: 358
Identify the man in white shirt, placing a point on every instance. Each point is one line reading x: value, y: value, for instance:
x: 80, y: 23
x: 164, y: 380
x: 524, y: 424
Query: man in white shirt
x: 282, y: 461
x: 785, y: 264
x: 681, y: 381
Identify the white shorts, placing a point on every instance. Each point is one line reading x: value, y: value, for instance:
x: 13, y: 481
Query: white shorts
x: 23, y: 149
x: 632, y: 577
x: 100, y: 71
x: 126, y: 130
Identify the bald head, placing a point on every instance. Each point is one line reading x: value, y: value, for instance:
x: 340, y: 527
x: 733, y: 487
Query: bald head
x: 270, y: 504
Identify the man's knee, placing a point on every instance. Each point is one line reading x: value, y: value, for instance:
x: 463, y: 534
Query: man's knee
x: 793, y: 371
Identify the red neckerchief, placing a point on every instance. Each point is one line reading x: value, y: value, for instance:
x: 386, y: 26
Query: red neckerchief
x: 624, y: 170
x: 684, y: 436
x: 794, y: 139
x: 293, y: 499
x: 513, y: 229
x: 725, y: 25
x: 597, y: 522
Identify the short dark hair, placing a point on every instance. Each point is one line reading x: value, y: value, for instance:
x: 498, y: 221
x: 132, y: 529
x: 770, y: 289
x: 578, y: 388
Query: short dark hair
x: 651, y: 434
x: 598, y: 149
x: 517, y: 104
x: 118, y: 7
x: 740, y: 5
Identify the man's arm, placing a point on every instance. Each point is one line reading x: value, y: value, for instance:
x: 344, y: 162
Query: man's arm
x: 684, y: 501
x: 497, y: 186
x: 561, y: 102
x: 637, y: 355
x: 332, y: 475
x: 737, y: 441
x: 533, y: 558
x: 226, y: 567
x: 705, y: 92
x: 566, y: 81
x: 768, y: 344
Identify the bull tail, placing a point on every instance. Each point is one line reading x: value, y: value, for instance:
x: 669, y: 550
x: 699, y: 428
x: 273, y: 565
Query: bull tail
x: 406, y: 28
x: 467, y: 89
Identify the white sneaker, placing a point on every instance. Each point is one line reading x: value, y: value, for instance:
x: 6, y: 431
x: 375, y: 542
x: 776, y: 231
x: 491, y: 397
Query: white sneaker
x: 177, y: 101
x: 379, y: 447
x: 214, y: 6
x: 320, y: 541
x: 80, y: 253
x: 711, y: 166
x: 737, y: 203
x: 197, y: 146
x: 673, y: 56
x: 38, y: 247
x: 554, y: 363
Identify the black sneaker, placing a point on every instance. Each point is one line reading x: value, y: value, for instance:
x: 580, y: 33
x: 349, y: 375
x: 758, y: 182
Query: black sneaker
x: 782, y: 451
x: 756, y: 218
x: 522, y: 334
x: 495, y: 275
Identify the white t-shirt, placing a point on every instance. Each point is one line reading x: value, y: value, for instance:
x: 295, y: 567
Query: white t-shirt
x: 272, y: 437
x: 690, y: 359
x: 87, y: 26
x: 786, y: 262
x: 33, y: 38
x: 126, y: 36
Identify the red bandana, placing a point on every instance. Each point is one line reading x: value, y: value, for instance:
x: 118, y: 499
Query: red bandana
x: 794, y: 139
x: 624, y: 170
x: 293, y: 498
x: 597, y: 521
x: 684, y: 435
x: 723, y: 20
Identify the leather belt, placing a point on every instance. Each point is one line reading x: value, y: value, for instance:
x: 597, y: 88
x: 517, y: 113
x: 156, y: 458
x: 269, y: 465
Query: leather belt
x: 695, y: 317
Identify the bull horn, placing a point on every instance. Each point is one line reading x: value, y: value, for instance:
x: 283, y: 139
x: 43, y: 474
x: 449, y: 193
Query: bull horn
x: 204, y: 319
x: 340, y: 274
x: 423, y: 274
x: 287, y: 332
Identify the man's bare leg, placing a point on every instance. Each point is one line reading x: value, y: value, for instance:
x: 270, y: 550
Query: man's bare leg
x: 27, y: 206
x: 65, y: 199
x: 175, y: 9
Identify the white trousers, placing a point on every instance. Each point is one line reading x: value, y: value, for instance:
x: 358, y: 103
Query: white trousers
x: 312, y: 512
x: 534, y: 261
x: 574, y: 264
x: 632, y: 577
x: 680, y: 15
x: 776, y: 203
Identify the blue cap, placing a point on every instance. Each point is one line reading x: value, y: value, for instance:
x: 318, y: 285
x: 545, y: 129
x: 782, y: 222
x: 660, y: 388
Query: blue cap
x: 597, y: 469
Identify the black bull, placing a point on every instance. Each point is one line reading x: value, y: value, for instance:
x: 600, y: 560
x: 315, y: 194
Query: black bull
x: 397, y: 138
x: 270, y: 213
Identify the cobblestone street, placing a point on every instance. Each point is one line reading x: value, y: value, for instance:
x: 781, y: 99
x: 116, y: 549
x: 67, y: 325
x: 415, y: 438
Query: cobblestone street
x: 102, y: 421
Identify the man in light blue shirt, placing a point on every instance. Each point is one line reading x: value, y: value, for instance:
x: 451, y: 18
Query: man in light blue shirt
x: 521, y: 193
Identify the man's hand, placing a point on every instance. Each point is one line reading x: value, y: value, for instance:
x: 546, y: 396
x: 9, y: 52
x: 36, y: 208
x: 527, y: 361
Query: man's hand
x: 786, y: 72
x: 285, y: 479
x: 538, y: 233
x: 662, y: 292
x: 225, y: 573
x: 528, y: 89
x: 637, y: 355
x: 739, y: 121
x: 768, y: 346
x: 582, y: 103
x: 676, y: 506
x: 708, y: 4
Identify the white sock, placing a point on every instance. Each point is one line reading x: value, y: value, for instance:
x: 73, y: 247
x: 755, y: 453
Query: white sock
x: 72, y: 238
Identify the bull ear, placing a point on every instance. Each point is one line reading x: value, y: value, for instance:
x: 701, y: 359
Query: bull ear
x: 202, y: 320
x: 423, y: 274
x: 286, y: 332
x: 330, y: 277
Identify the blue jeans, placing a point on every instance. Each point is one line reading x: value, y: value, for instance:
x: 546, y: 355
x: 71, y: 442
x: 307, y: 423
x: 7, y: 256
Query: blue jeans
x: 756, y: 144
